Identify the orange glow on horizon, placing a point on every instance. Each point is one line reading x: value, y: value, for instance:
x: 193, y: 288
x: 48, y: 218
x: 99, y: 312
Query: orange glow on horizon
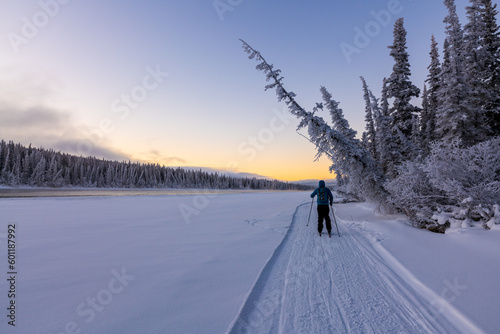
x: 298, y: 175
x: 286, y: 167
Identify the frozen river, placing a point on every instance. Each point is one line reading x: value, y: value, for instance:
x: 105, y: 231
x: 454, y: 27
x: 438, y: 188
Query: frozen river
x: 66, y: 192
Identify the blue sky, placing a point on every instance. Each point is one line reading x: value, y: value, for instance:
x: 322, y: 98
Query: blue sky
x: 167, y: 81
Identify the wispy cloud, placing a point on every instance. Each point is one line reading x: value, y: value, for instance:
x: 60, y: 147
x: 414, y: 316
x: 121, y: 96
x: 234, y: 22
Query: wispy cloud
x: 156, y: 156
x: 173, y: 160
x: 36, y: 117
x: 50, y: 128
x: 28, y: 116
x: 66, y: 145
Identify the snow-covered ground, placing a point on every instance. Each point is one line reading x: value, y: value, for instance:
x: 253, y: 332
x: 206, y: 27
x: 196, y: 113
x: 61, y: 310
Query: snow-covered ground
x: 241, y: 263
x: 138, y: 264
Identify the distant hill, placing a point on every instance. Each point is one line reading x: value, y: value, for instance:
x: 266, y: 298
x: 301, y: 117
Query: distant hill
x: 227, y: 173
x: 314, y: 183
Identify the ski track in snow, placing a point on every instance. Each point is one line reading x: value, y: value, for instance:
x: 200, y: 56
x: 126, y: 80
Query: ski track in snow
x: 315, y: 284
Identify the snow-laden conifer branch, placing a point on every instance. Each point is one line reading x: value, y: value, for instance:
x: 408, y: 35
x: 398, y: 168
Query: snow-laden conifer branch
x: 276, y: 78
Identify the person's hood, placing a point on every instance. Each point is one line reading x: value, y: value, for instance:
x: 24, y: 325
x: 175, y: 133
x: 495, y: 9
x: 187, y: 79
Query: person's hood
x: 321, y: 183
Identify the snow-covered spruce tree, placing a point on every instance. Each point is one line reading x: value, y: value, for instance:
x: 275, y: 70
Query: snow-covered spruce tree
x: 456, y: 117
x: 364, y: 141
x: 416, y: 138
x: 349, y: 158
x: 444, y: 66
x: 474, y: 69
x: 387, y: 150
x: 400, y: 86
x: 371, y: 140
x: 426, y: 123
x: 481, y: 47
x: 491, y: 45
x: 38, y: 178
x: 5, y: 163
x: 432, y: 100
x: 339, y: 122
x: 407, y: 145
x: 384, y: 102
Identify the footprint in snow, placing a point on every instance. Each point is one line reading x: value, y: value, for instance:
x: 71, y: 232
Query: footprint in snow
x: 254, y: 223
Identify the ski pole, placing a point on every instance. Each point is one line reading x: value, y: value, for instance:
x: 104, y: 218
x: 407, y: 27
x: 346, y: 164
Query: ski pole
x: 335, y: 220
x: 310, y: 212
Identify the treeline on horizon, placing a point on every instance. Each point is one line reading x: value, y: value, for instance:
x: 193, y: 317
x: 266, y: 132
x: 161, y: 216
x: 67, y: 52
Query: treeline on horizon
x: 39, y: 167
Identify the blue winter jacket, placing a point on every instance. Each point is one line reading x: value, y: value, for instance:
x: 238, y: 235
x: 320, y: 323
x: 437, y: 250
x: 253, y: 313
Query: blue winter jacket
x: 328, y: 198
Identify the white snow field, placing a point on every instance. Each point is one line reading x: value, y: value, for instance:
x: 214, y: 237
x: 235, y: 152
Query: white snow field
x: 239, y: 263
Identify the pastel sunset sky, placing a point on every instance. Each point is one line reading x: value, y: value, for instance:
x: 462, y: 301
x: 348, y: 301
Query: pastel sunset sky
x: 167, y: 81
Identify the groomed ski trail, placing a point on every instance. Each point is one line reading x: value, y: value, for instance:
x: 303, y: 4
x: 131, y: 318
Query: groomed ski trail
x: 315, y: 284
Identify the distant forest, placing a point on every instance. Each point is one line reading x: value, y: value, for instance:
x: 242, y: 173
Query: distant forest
x: 38, y: 167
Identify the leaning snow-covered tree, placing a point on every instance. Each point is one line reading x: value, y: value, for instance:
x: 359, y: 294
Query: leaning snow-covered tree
x: 350, y: 160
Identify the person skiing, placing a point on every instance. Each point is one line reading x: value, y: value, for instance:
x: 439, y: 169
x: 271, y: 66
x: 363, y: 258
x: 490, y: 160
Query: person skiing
x: 324, y: 197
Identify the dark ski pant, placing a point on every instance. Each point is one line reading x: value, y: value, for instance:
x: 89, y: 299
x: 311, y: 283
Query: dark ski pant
x: 324, y: 213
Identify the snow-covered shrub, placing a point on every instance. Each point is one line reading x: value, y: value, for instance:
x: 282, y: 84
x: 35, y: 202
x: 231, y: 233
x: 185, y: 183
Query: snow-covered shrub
x: 495, y: 219
x: 460, y: 184
x: 466, y: 173
x: 413, y: 192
